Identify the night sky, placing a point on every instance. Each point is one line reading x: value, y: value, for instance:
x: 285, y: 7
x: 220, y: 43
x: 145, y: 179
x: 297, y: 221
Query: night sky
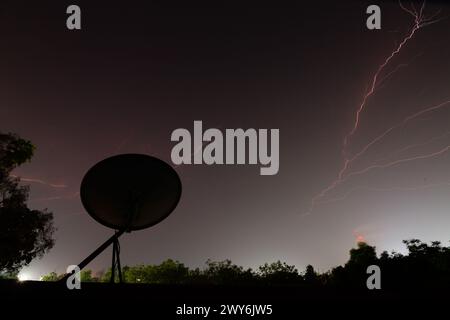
x: 141, y: 69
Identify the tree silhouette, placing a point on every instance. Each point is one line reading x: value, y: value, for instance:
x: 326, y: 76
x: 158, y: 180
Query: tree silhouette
x: 279, y: 273
x: 425, y: 266
x: 225, y: 272
x: 24, y: 233
x: 52, y: 276
x: 311, y: 277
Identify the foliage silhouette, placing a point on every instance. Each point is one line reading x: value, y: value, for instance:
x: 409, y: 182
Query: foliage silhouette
x: 279, y: 273
x: 24, y: 233
x: 425, y: 266
x: 52, y: 276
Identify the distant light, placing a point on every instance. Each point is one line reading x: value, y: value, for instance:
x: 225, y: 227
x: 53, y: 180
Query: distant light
x: 23, y: 277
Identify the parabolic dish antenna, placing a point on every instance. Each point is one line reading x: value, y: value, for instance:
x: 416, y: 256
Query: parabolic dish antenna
x: 128, y: 192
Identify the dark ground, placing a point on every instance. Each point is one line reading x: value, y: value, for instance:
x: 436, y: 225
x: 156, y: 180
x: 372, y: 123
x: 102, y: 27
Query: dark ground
x: 163, y: 300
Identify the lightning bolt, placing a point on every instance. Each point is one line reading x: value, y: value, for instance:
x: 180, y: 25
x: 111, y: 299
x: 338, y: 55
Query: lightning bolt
x: 397, y: 162
x: 420, y: 21
x: 384, y: 189
x: 392, y: 164
x: 63, y: 197
x: 39, y: 181
x: 384, y: 79
x: 415, y: 145
x: 404, y: 122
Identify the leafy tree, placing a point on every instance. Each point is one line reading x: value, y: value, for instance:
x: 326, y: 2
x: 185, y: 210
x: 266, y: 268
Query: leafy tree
x: 86, y: 276
x: 279, y: 273
x: 311, y: 277
x: 9, y: 275
x: 364, y: 255
x: 24, y: 233
x: 136, y: 274
x: 168, y: 272
x: 106, y: 276
x: 14, y: 151
x: 425, y: 266
x: 52, y: 276
x: 353, y: 274
x: 197, y: 276
x: 171, y: 271
x: 225, y: 272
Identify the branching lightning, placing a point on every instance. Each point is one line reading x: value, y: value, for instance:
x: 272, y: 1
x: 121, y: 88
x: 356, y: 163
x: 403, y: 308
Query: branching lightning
x: 378, y: 79
x: 420, y: 22
x: 385, y: 189
x: 397, y: 162
x: 69, y: 196
x: 39, y: 181
x: 415, y: 145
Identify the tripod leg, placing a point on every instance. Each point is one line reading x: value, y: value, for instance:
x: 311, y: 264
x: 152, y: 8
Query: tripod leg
x: 113, y: 264
x: 94, y: 254
x: 119, y: 268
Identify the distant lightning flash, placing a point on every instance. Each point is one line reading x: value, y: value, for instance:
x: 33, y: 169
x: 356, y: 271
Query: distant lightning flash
x: 384, y: 189
x: 359, y: 237
x: 342, y: 177
x: 415, y: 145
x: 420, y: 21
x: 69, y: 196
x: 39, y: 181
x: 389, y: 130
x: 399, y: 161
x: 395, y: 163
x: 382, y: 81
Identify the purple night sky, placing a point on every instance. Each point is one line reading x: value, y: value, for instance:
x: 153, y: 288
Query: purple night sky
x: 139, y: 70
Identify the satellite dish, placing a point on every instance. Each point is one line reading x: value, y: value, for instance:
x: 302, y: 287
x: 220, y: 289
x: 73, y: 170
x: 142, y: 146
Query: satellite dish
x: 128, y: 192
